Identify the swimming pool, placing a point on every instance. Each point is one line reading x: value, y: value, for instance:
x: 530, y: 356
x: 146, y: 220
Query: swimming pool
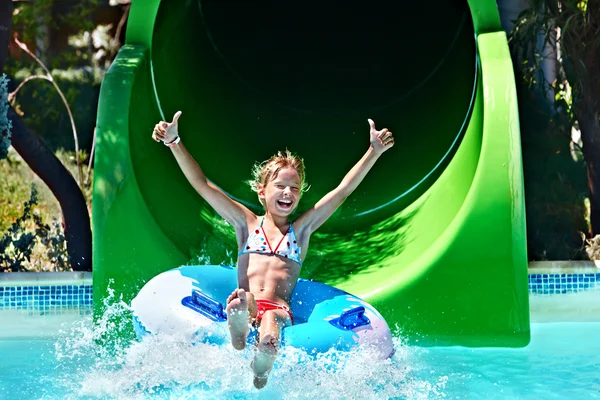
x: 57, y: 353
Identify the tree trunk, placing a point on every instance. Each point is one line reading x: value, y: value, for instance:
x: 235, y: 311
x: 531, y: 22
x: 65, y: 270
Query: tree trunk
x: 62, y: 184
x: 590, y: 135
x: 43, y: 162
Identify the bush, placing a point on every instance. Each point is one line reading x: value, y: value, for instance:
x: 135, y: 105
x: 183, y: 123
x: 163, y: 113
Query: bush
x: 29, y: 235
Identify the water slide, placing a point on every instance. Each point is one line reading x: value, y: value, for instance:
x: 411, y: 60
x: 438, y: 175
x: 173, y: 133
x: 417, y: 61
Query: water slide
x: 434, y: 237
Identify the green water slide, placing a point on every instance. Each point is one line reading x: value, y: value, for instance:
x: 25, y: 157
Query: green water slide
x: 434, y: 237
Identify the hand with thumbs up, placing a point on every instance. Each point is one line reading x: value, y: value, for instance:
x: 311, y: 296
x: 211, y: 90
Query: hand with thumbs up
x: 166, y: 132
x: 381, y: 140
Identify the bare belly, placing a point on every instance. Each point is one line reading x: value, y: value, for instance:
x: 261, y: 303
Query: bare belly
x: 271, y: 277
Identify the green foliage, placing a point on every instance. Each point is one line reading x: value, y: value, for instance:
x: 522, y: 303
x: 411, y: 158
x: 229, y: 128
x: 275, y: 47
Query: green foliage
x: 571, y: 26
x: 14, y: 190
x: 15, y: 180
x: 45, y: 114
x: 97, y: 47
x: 5, y: 123
x: 18, y: 243
x: 31, y: 18
x: 556, y: 185
x: 31, y: 236
x: 77, y: 66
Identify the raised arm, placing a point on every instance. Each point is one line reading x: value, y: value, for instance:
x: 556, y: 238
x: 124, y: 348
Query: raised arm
x: 312, y: 219
x: 232, y: 211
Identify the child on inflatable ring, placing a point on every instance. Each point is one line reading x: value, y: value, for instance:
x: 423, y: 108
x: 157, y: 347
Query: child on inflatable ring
x: 271, y: 247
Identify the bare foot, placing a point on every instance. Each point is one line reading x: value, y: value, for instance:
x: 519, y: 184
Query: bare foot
x: 237, y: 318
x: 266, y: 353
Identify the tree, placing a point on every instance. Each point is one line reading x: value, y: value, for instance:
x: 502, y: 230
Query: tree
x: 43, y: 162
x: 572, y: 29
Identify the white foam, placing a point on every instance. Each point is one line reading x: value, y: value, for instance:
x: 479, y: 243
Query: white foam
x: 165, y: 367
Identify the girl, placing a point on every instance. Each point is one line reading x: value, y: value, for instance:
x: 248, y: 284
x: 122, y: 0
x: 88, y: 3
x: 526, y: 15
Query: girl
x: 271, y: 248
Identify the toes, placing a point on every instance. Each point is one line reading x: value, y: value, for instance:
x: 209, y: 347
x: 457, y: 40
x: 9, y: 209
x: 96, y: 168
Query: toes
x: 232, y: 296
x: 260, y: 381
x: 269, y: 344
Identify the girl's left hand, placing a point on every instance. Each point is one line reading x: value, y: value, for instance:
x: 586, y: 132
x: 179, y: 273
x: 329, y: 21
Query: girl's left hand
x: 382, y: 140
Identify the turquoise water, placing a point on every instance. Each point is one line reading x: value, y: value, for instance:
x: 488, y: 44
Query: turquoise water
x: 64, y: 360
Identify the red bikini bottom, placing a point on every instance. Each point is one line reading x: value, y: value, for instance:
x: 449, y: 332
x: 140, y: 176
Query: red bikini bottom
x: 266, y: 305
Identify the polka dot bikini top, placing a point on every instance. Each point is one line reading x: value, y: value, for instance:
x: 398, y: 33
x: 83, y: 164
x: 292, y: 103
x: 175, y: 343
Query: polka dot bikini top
x: 259, y: 243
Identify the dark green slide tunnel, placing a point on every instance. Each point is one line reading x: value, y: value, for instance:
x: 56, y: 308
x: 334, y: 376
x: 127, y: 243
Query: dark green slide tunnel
x: 434, y: 237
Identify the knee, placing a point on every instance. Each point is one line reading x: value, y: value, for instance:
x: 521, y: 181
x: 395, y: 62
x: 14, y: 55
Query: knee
x: 252, y: 307
x: 269, y: 323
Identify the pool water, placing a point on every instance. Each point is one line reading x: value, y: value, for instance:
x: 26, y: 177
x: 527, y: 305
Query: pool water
x: 66, y: 359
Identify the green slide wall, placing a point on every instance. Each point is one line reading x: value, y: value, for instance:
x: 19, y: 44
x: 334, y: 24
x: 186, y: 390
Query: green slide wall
x: 434, y: 237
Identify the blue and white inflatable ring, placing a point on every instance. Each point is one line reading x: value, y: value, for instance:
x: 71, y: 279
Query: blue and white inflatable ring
x: 189, y: 302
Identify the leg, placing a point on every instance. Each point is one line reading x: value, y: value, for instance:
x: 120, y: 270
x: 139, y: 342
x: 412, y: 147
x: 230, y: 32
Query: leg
x: 266, y: 350
x: 240, y: 304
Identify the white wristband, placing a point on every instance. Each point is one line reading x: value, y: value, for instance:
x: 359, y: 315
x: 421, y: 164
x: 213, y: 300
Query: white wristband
x: 173, y: 143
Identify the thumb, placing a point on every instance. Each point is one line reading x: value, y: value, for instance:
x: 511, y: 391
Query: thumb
x: 371, y: 123
x: 176, y: 117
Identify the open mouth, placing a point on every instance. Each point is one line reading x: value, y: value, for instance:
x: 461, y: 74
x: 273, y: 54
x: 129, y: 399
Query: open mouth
x: 285, y: 204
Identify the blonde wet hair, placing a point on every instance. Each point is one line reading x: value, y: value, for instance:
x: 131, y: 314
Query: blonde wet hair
x: 264, y: 172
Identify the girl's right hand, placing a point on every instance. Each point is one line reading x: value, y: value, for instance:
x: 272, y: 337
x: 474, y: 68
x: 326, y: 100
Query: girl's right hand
x: 166, y: 131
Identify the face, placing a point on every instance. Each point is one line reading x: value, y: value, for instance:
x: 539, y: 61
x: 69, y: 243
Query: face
x: 282, y: 193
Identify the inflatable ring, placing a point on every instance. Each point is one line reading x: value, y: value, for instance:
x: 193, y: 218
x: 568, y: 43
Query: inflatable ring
x: 189, y: 302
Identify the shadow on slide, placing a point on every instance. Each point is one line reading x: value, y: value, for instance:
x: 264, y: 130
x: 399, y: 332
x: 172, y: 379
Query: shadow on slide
x: 434, y: 237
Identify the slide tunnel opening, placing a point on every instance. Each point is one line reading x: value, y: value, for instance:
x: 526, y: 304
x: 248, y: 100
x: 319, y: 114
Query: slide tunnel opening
x: 253, y: 78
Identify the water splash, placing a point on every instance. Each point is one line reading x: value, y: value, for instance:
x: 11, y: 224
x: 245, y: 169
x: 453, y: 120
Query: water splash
x: 203, y: 257
x: 165, y: 367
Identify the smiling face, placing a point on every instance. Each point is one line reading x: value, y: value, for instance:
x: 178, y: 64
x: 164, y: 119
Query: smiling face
x: 280, y: 182
x: 281, y: 194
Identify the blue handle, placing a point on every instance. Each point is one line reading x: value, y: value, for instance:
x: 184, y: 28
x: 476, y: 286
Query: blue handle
x: 205, y: 305
x: 351, y: 319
